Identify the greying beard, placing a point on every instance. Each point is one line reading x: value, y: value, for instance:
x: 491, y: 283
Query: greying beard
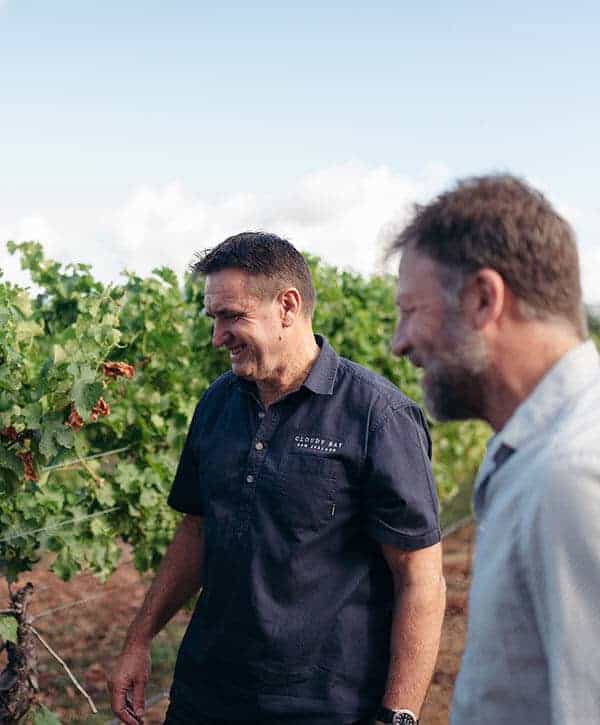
x: 458, y: 396
x: 456, y: 391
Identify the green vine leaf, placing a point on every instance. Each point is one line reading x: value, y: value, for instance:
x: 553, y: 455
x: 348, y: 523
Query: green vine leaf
x: 43, y: 716
x: 8, y: 460
x: 85, y: 396
x: 8, y: 628
x: 55, y: 434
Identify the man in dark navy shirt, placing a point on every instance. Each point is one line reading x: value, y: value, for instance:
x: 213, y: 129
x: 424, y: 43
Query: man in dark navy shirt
x: 310, y: 524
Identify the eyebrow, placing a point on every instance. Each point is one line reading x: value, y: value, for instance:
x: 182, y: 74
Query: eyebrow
x: 224, y: 311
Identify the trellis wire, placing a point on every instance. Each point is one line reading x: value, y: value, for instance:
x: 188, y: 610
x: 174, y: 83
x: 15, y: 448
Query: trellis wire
x: 59, y: 525
x: 77, y: 461
x: 76, y: 603
x: 67, y: 522
x: 78, y: 578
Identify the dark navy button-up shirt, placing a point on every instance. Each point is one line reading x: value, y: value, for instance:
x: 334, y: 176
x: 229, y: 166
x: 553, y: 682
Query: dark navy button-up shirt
x: 295, y: 612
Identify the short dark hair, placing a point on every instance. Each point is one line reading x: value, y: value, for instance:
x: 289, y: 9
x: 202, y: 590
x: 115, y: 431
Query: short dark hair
x: 501, y: 222
x: 261, y: 254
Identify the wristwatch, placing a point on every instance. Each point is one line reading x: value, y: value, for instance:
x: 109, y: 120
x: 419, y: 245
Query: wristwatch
x: 397, y: 717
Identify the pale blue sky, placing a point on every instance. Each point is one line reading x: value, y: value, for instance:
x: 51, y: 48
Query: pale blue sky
x: 116, y: 118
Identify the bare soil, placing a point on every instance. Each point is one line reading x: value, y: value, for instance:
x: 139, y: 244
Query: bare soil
x: 88, y: 635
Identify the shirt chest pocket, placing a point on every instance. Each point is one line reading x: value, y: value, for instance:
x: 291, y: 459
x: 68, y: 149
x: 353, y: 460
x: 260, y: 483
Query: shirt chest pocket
x: 307, y: 488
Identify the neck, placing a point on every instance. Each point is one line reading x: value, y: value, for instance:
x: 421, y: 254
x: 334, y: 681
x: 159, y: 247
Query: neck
x: 516, y: 370
x: 293, y: 371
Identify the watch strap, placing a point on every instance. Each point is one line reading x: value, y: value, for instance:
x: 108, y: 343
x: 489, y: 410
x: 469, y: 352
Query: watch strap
x: 396, y: 717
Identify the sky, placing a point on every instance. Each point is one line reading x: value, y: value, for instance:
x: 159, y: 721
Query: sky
x: 133, y: 134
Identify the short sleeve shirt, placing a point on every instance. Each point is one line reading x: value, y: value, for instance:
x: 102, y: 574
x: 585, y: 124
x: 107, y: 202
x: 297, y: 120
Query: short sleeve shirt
x: 295, y: 612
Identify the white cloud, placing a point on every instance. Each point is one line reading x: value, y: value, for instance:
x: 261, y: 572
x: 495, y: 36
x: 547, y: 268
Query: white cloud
x: 344, y: 213
x: 34, y: 227
x: 586, y: 223
x: 587, y: 226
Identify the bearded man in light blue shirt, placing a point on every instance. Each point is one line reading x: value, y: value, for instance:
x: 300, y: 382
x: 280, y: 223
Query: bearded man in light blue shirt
x: 490, y: 306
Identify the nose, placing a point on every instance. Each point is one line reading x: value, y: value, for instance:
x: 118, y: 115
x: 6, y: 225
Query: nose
x: 219, y: 333
x: 400, y: 342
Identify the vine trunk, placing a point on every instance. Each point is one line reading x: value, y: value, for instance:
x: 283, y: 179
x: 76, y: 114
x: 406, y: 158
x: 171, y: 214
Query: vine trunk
x: 18, y: 680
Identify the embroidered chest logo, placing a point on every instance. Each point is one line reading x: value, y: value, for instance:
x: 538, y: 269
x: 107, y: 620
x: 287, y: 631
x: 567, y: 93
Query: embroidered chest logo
x: 317, y: 443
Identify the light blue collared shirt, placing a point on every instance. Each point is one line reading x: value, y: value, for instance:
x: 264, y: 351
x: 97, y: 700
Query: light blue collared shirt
x: 533, y: 646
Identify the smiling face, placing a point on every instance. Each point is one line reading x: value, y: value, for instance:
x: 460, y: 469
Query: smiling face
x: 247, y: 323
x: 434, y: 335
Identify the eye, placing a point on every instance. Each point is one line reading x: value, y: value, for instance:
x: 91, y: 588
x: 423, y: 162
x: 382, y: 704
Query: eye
x: 404, y: 314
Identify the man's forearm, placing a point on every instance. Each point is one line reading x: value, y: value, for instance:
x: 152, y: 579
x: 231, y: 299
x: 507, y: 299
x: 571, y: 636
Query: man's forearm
x: 179, y: 577
x: 414, y: 644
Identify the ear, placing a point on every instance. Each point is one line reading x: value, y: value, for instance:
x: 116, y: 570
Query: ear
x: 290, y: 303
x: 483, y: 298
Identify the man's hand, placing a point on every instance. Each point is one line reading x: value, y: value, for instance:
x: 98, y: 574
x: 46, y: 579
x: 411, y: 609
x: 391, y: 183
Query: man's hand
x: 127, y: 684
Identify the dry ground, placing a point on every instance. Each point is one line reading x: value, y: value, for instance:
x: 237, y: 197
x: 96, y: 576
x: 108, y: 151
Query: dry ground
x: 89, y: 634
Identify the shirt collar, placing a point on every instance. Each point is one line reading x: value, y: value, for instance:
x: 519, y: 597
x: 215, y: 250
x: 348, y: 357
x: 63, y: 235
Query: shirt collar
x: 562, y: 383
x: 320, y: 380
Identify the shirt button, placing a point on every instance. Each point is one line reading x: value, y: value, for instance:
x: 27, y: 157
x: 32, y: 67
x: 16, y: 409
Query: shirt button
x: 259, y: 445
x: 250, y: 479
x: 261, y: 414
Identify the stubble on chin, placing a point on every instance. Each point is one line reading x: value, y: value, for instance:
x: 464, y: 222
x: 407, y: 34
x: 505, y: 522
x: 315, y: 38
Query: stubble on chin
x: 456, y: 390
x: 460, y: 398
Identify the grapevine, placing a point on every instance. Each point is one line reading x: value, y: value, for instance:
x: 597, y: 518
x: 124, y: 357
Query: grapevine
x: 87, y: 368
x: 97, y: 387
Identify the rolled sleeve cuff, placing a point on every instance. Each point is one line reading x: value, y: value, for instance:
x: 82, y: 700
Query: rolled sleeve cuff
x: 386, y: 534
x: 185, y: 507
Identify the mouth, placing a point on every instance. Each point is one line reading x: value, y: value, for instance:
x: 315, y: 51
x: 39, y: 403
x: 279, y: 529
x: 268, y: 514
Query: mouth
x: 235, y: 352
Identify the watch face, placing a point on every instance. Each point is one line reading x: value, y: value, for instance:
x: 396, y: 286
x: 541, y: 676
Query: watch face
x: 404, y: 718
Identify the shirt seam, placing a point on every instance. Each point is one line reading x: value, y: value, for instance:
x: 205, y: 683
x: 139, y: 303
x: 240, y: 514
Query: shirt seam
x: 426, y: 469
x: 391, y: 405
x: 387, y: 413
